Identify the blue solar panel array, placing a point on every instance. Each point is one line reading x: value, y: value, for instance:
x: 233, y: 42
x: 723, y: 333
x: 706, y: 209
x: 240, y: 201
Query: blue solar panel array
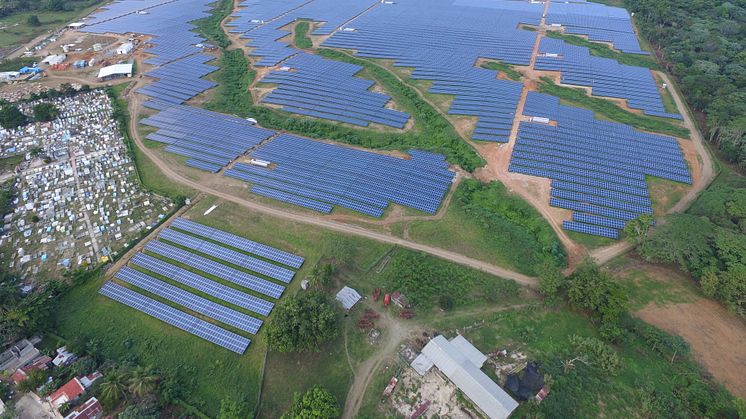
x: 441, y: 40
x: 231, y: 256
x: 318, y: 176
x: 202, y: 284
x: 238, y: 242
x: 180, y: 80
x: 190, y: 301
x: 605, y: 76
x: 261, y: 21
x: 167, y: 20
x: 598, y: 22
x: 217, y: 269
x: 210, y: 139
x: 176, y: 318
x: 598, y: 168
x: 314, y: 86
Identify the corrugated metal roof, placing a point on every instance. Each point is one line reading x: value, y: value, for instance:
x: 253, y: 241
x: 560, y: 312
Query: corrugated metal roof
x: 116, y: 69
x: 348, y: 297
x: 460, y: 369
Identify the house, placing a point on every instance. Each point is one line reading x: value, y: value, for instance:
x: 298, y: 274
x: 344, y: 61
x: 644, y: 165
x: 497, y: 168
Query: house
x: 72, y: 389
x: 460, y: 361
x: 348, y: 297
x: 18, y: 355
x: 21, y: 374
x: 91, y: 409
x: 63, y: 357
x: 68, y: 392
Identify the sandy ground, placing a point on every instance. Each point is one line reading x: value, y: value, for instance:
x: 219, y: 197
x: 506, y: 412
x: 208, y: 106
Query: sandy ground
x: 717, y: 337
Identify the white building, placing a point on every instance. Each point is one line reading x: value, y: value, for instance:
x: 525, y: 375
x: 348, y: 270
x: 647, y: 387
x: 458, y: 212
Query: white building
x: 125, y: 48
x: 116, y: 70
x: 460, y: 361
x: 54, y: 59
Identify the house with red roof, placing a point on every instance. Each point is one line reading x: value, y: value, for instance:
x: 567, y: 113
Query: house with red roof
x: 89, y: 410
x: 21, y: 374
x: 72, y: 389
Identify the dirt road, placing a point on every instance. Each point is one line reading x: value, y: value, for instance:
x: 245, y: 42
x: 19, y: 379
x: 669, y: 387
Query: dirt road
x: 319, y: 221
x: 605, y: 254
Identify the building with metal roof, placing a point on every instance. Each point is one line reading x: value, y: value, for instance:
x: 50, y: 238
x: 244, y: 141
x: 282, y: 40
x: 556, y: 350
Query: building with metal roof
x: 348, y: 297
x: 116, y: 70
x: 460, y: 361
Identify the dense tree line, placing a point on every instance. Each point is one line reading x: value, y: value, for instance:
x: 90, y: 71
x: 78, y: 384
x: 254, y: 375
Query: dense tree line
x: 709, y: 242
x: 702, y: 43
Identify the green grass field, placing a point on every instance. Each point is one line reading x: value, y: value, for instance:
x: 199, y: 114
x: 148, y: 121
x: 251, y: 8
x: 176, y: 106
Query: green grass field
x: 209, y: 372
x: 609, y: 110
x: 7, y: 164
x: 14, y: 29
x: 491, y: 224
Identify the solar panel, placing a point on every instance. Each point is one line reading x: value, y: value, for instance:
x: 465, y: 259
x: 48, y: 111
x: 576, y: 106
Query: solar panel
x: 176, y: 318
x: 231, y: 256
x: 219, y: 270
x: 202, y: 284
x: 238, y: 242
x: 187, y: 299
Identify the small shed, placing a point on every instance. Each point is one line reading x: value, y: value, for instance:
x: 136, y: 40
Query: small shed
x: 348, y: 297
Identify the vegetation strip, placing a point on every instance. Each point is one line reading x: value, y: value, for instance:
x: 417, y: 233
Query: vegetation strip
x: 605, y: 51
x: 610, y: 110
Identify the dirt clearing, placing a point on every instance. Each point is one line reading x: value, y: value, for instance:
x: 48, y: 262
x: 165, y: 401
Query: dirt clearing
x: 716, y: 336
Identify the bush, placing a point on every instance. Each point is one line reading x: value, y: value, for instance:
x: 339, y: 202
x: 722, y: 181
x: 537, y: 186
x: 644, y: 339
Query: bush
x: 596, y: 291
x: 11, y: 117
x: 302, y: 323
x: 316, y: 403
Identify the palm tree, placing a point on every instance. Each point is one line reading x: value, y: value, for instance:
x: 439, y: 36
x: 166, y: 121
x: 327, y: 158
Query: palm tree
x: 114, y: 386
x: 143, y: 381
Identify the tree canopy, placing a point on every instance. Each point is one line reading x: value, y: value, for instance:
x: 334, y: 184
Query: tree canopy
x: 701, y: 43
x: 45, y: 112
x: 11, y: 116
x: 316, y: 403
x: 596, y: 291
x: 302, y: 323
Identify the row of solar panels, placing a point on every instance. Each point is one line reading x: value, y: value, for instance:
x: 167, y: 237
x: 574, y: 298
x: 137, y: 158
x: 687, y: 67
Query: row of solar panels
x: 598, y: 169
x: 145, y: 273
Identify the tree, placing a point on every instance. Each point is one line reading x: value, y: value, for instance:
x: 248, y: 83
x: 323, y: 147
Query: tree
x: 232, y: 409
x: 35, y: 379
x: 11, y: 117
x: 302, y: 323
x: 142, y: 381
x: 637, y: 229
x: 316, y: 403
x: 33, y: 20
x: 596, y: 353
x: 596, y: 291
x: 138, y: 411
x: 45, y: 112
x: 321, y: 275
x: 550, y: 280
x: 114, y: 386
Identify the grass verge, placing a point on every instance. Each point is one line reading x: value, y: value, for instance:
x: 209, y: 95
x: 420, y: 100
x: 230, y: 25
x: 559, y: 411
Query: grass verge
x: 8, y: 164
x: 605, y: 51
x: 605, y: 108
x: 506, y: 69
